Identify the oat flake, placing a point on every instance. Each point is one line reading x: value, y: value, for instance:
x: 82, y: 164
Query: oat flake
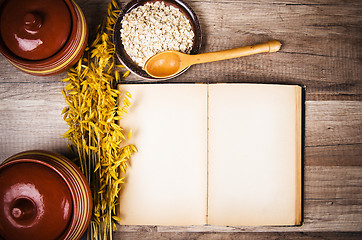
x: 153, y: 28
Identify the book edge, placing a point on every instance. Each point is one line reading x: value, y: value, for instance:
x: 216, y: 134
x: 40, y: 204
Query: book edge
x: 300, y: 126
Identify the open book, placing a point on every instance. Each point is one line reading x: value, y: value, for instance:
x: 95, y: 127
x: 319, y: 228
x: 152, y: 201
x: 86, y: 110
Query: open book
x: 218, y: 154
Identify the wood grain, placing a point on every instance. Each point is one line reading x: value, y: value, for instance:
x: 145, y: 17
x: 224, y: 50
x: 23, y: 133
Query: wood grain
x: 234, y: 236
x: 333, y: 139
x: 321, y: 44
x: 31, y: 119
x: 328, y: 202
x: 322, y: 50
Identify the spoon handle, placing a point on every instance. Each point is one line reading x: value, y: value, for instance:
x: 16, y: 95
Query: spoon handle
x: 270, y: 46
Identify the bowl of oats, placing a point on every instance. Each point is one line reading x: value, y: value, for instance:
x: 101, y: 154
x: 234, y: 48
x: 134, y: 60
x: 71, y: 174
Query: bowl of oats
x: 145, y: 28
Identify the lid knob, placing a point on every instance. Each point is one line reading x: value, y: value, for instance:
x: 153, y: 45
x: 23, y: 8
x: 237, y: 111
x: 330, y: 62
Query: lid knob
x: 32, y: 21
x: 35, y: 29
x: 23, y: 209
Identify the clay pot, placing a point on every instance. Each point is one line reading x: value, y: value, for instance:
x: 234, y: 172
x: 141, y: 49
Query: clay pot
x: 43, y: 195
x: 42, y: 37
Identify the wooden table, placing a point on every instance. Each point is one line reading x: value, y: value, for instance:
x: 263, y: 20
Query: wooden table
x: 322, y: 49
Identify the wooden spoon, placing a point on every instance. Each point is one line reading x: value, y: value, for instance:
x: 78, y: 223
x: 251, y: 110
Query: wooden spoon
x: 168, y: 63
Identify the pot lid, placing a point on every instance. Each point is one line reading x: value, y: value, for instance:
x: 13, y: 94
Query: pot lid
x: 35, y: 201
x: 35, y: 29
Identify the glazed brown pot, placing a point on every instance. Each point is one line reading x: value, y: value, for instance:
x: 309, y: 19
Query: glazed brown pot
x: 43, y: 195
x: 42, y: 37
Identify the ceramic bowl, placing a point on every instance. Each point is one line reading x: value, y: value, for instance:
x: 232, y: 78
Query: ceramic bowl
x: 43, y: 195
x: 122, y: 54
x: 42, y: 37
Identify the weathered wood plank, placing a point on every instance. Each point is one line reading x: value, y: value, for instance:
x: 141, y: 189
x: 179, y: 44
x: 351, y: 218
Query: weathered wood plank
x: 233, y: 236
x: 331, y: 123
x: 321, y: 44
x: 333, y: 195
x: 332, y: 202
x: 333, y: 133
x: 334, y: 155
x: 322, y: 49
x: 31, y: 118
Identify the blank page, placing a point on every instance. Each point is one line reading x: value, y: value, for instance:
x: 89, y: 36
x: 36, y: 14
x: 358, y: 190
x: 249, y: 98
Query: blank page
x: 166, y: 183
x: 254, y: 154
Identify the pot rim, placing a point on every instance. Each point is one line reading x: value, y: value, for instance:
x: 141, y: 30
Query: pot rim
x: 65, y: 57
x: 80, y: 216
